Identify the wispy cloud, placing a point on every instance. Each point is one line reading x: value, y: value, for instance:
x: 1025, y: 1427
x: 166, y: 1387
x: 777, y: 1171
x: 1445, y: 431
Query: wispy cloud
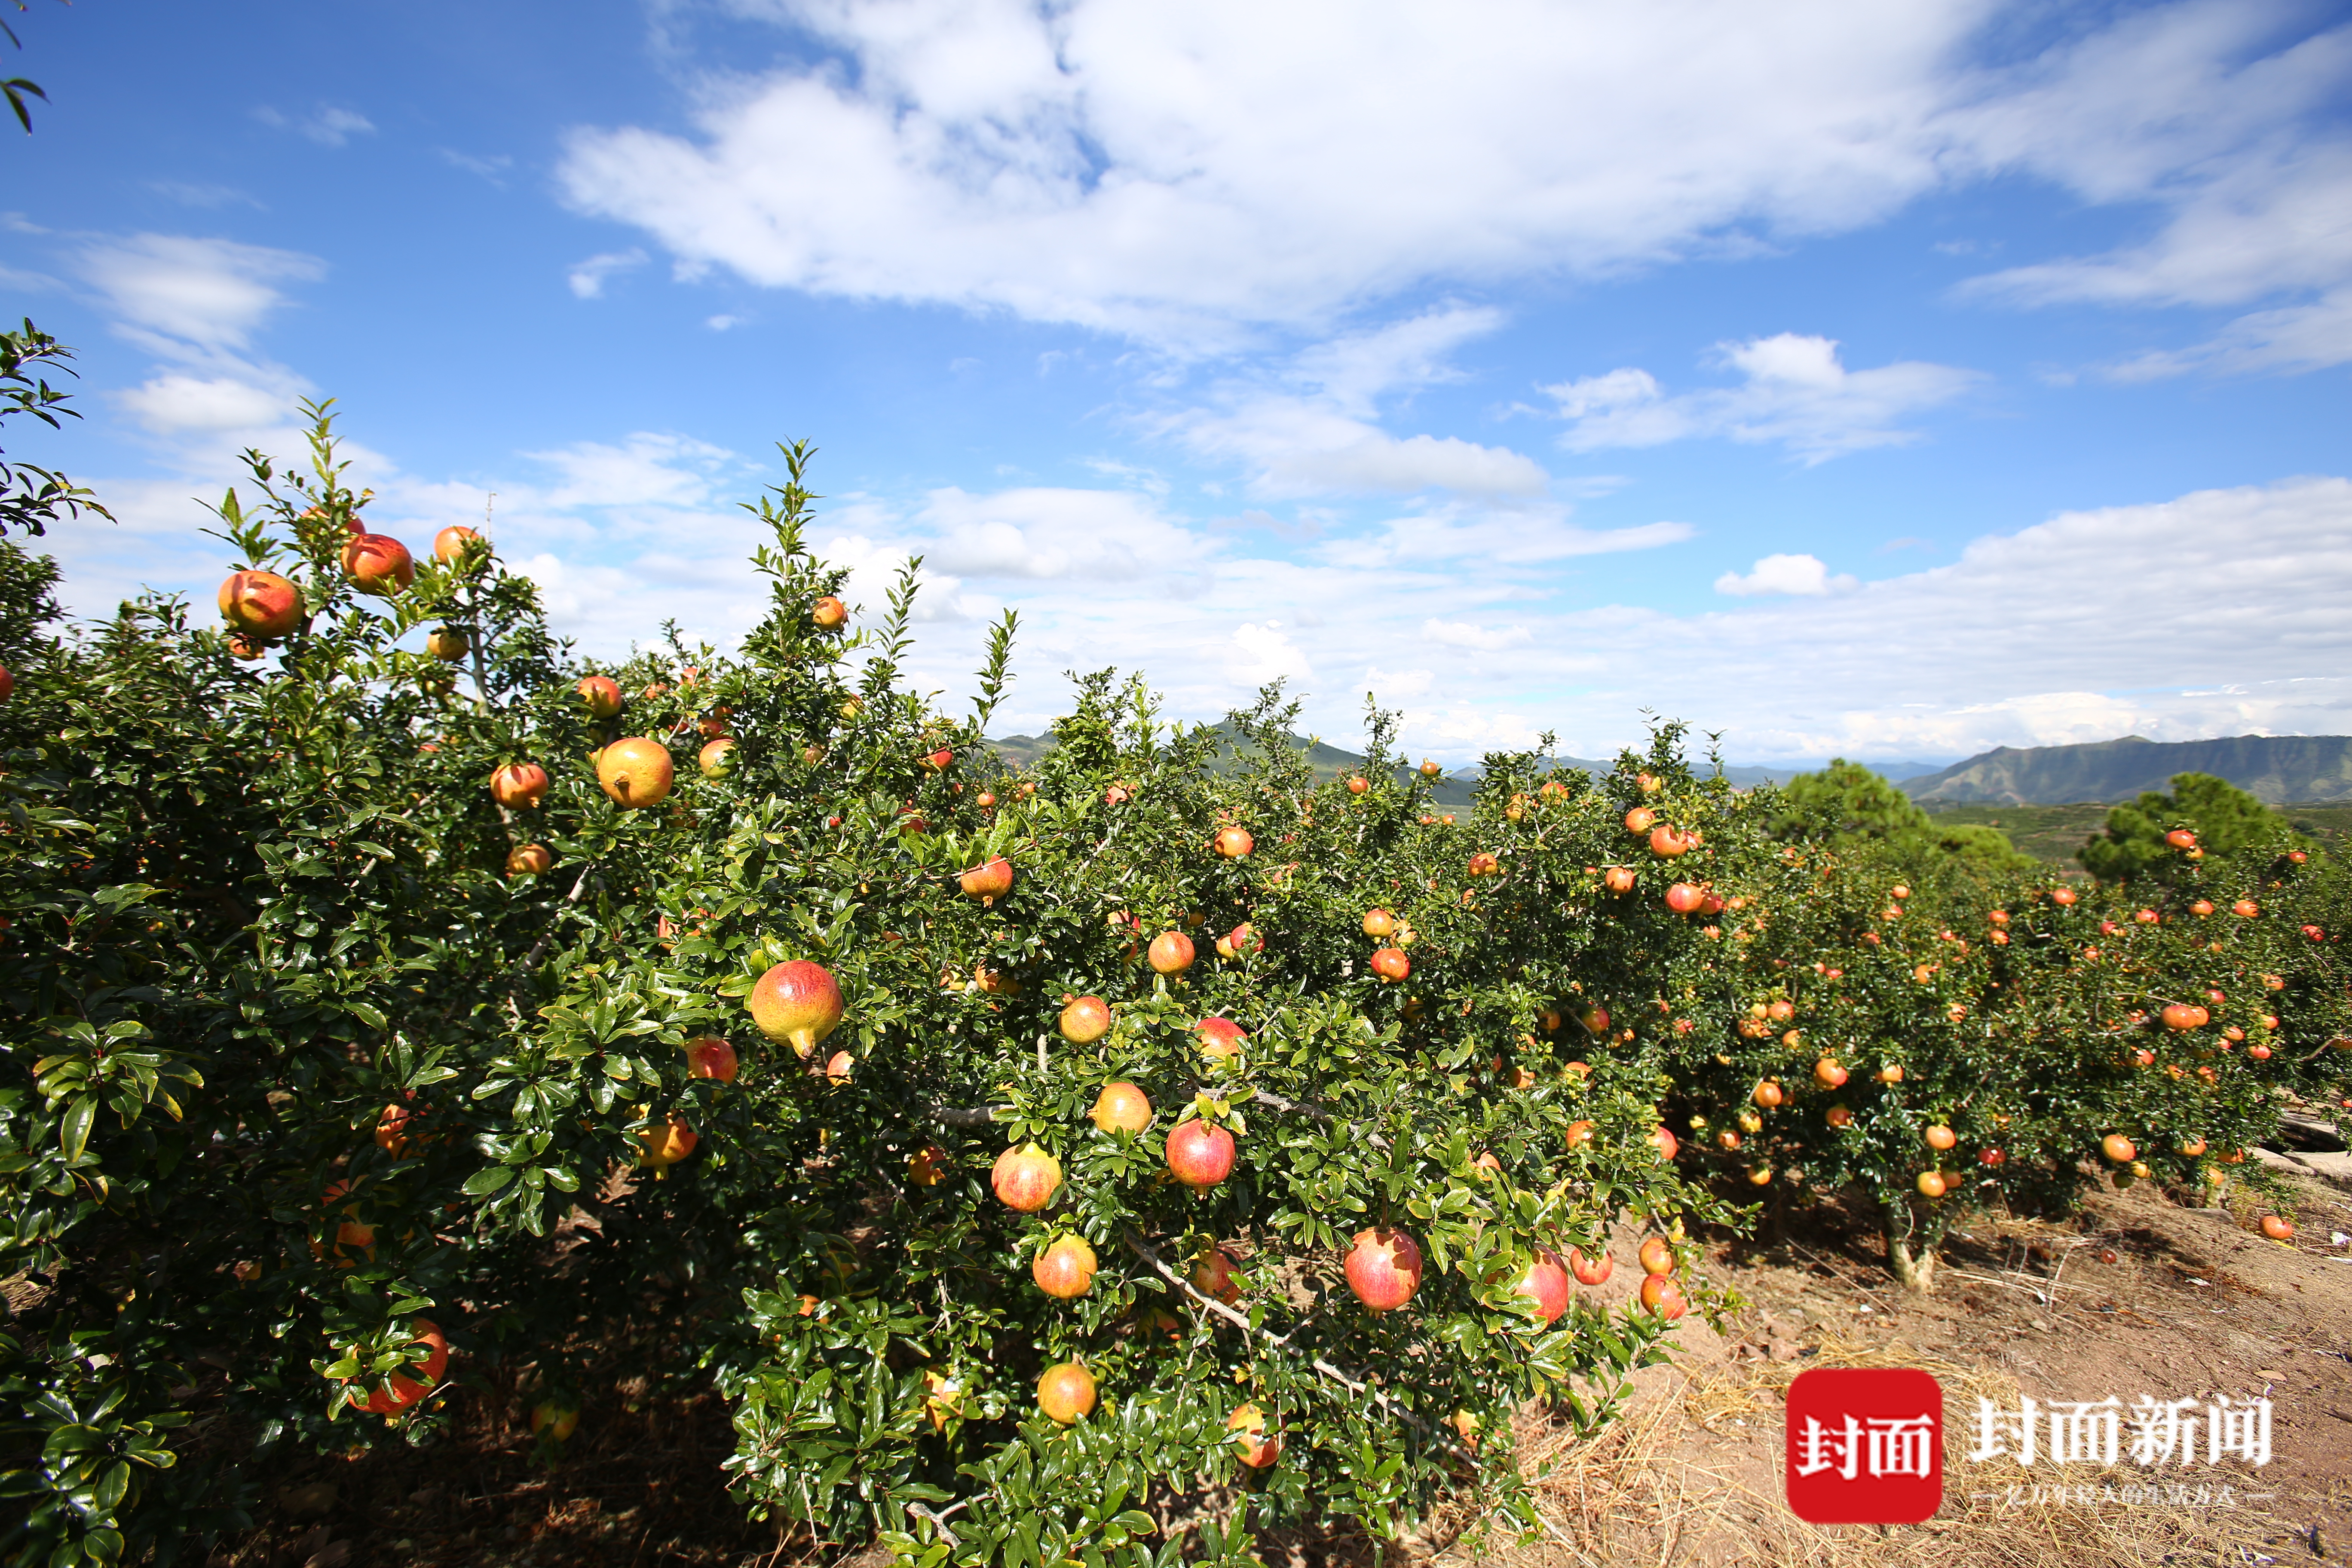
x: 329, y: 125
x: 587, y: 277
x: 494, y: 167
x: 1795, y: 393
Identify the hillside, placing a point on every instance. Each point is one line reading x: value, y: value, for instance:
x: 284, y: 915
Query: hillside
x: 2275, y: 768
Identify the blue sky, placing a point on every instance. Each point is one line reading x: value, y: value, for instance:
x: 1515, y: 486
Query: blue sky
x: 1892, y: 382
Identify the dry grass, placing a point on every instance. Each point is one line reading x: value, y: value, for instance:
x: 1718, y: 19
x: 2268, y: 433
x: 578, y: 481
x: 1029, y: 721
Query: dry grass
x: 1683, y: 1481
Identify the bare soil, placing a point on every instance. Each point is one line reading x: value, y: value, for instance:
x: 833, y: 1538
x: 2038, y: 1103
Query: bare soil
x: 2135, y: 1295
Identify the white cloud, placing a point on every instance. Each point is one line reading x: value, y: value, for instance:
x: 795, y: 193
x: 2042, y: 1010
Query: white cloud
x: 176, y: 292
x: 328, y: 125
x: 1306, y: 428
x: 648, y: 468
x: 203, y: 195
x: 1186, y: 174
x: 176, y: 405
x: 587, y: 277
x: 1803, y: 575
x: 2293, y: 339
x: 1478, y: 638
x: 2213, y: 613
x: 493, y: 168
x: 1518, y: 536
x: 1054, y: 535
x: 1261, y: 654
x: 2248, y: 186
x: 1398, y: 687
x: 1796, y: 394
x: 1176, y: 170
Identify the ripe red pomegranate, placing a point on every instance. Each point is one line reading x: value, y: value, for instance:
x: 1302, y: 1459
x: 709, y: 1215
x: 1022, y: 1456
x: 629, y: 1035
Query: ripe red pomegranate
x: 797, y: 1001
x: 451, y: 542
x: 518, y: 785
x: 1391, y: 964
x: 378, y: 564
x: 261, y: 604
x: 1121, y: 1108
x: 664, y: 1143
x: 710, y: 1057
x: 1232, y: 843
x: 1384, y: 1267
x: 403, y: 1390
x: 1085, y: 1020
x: 527, y: 859
x: 1171, y: 952
x: 1026, y: 1178
x: 1066, y: 1270
x: 987, y: 882
x: 1662, y: 1140
x: 1212, y: 1276
x: 1684, y: 898
x: 1066, y: 1391
x: 635, y: 772
x: 1661, y: 1295
x: 603, y: 695
x: 828, y: 613
x: 1199, y: 1155
x: 1618, y: 879
x: 1259, y: 1447
x: 2181, y: 838
x: 1219, y: 1038
x: 1544, y: 1283
x: 1592, y: 1270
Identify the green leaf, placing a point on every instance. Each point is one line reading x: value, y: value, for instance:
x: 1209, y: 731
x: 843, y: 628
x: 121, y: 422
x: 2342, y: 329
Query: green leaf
x: 488, y: 1179
x: 73, y: 1130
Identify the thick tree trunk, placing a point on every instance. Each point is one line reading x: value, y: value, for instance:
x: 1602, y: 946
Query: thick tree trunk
x: 1911, y: 1239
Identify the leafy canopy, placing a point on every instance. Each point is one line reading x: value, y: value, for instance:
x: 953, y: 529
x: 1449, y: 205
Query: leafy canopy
x: 2225, y: 818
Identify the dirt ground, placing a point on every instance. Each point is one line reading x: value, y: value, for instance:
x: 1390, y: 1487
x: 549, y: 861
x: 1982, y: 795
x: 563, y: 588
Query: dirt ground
x: 2135, y: 1297
x: 2138, y: 1296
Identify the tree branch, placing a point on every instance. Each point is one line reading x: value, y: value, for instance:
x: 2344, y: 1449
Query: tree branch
x: 1345, y: 1379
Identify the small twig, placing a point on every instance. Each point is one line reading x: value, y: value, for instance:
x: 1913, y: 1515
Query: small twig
x: 1346, y: 1380
x: 546, y: 936
x: 1317, y: 1112
x: 939, y: 1521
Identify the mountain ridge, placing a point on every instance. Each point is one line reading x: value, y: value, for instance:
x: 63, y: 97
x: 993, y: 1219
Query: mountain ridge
x: 2276, y: 769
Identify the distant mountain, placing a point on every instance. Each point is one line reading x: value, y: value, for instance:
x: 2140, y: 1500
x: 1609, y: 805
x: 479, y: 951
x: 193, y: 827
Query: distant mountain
x: 1782, y: 772
x: 2274, y: 768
